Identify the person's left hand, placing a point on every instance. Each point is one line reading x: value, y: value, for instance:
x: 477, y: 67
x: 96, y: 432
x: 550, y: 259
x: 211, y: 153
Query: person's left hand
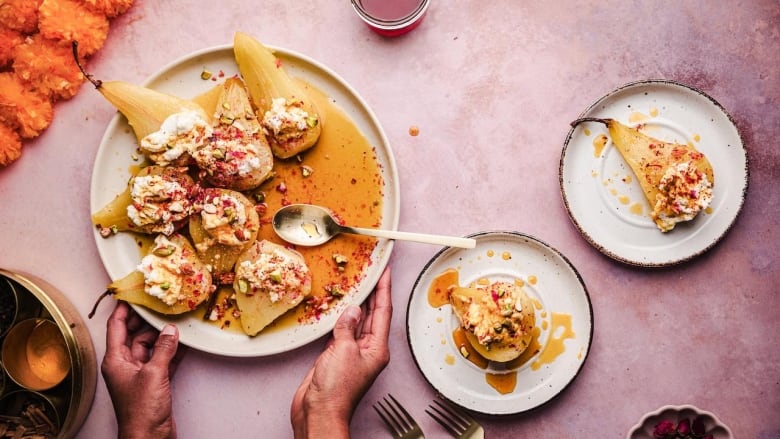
x: 137, y: 367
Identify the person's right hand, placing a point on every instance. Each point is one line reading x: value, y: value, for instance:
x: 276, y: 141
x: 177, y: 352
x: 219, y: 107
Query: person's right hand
x: 326, y: 399
x: 137, y: 367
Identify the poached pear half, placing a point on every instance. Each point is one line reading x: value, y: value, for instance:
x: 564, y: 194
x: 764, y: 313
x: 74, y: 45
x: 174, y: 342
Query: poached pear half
x: 169, y: 280
x: 676, y: 179
x: 498, y: 318
x: 270, y: 280
x: 223, y: 225
x: 288, y: 114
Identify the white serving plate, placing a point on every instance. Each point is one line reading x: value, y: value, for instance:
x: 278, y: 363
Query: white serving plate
x: 559, y: 288
x: 120, y: 253
x: 594, y: 192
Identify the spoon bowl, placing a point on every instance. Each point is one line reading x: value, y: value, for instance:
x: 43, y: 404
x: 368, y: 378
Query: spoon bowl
x: 309, y: 225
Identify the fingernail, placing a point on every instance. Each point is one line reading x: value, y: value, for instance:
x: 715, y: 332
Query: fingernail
x: 168, y: 330
x: 353, y: 312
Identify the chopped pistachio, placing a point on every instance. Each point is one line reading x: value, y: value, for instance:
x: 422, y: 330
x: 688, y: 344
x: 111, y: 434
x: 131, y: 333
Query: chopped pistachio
x: 218, y: 154
x: 306, y: 171
x: 259, y: 196
x: 276, y: 276
x: 205, y: 74
x: 243, y: 285
x: 312, y: 121
x: 335, y: 290
x: 164, y: 251
x: 165, y: 285
x: 464, y: 352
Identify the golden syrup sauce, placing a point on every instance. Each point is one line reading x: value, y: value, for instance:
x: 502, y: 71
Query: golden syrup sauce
x: 503, y: 382
x: 623, y: 199
x: 696, y: 138
x: 506, y: 256
x: 627, y: 179
x: 653, y: 112
x: 559, y: 332
x: 636, y: 117
x: 532, y: 280
x: 708, y: 210
x: 491, y: 253
x: 586, y: 131
x: 637, y: 209
x: 439, y: 291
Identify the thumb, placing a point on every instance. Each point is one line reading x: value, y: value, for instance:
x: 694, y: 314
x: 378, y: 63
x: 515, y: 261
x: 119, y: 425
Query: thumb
x: 348, y: 322
x: 165, y: 346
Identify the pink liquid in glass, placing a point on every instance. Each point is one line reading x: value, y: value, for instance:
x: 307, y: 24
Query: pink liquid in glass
x: 389, y: 10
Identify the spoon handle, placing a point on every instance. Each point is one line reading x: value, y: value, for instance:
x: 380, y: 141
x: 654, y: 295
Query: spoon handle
x: 451, y: 241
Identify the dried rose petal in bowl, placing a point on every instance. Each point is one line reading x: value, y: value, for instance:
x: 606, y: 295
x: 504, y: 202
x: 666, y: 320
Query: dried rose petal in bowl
x: 679, y: 422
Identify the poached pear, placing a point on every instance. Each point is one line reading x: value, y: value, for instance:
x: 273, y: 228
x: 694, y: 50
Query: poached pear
x: 498, y: 318
x: 238, y: 156
x: 676, y: 179
x: 287, y: 113
x: 224, y: 224
x: 169, y: 280
x: 157, y: 200
x: 269, y: 281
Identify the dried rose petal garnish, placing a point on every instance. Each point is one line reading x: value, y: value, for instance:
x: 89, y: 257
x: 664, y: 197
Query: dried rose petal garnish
x: 685, y: 429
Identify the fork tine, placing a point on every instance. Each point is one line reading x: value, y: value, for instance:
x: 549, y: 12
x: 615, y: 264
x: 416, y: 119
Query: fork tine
x: 404, y: 415
x: 462, y: 416
x: 387, y: 417
x: 439, y: 417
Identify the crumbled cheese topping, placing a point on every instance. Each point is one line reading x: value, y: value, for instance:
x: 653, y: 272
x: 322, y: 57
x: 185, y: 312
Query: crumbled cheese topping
x: 233, y: 151
x: 224, y: 218
x: 163, y: 270
x: 158, y: 202
x: 496, y: 316
x: 180, y: 133
x: 275, y: 273
x: 286, y: 119
x: 684, y: 192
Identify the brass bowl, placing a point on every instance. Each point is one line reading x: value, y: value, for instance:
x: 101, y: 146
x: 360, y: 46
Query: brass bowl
x: 78, y: 390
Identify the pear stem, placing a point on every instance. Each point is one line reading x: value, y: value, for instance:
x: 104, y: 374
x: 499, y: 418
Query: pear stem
x: 589, y: 119
x: 100, y: 299
x: 96, y: 82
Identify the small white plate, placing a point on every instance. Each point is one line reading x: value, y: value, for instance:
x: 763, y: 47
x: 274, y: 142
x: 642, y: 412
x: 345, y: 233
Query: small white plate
x: 111, y: 171
x: 676, y: 413
x: 602, y: 194
x: 506, y: 256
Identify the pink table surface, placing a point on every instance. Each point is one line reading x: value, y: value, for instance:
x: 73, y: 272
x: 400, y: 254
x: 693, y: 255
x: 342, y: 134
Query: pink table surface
x: 492, y: 87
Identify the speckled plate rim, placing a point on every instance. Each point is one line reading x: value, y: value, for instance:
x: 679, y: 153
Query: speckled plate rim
x: 649, y: 420
x: 668, y: 258
x: 514, y: 403
x: 120, y: 253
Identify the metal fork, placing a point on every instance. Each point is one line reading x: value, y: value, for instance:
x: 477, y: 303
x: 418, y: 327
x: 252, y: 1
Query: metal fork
x: 400, y: 422
x: 459, y: 423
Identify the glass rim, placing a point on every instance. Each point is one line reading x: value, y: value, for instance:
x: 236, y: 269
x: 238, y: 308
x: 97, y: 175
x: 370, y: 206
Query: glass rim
x: 398, y: 23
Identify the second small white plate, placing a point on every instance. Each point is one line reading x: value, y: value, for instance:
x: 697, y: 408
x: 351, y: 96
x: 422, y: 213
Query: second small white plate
x: 550, y: 280
x: 603, y: 197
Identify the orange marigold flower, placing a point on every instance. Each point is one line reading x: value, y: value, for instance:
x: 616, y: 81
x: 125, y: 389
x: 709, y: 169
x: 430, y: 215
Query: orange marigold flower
x: 20, y: 15
x: 22, y: 108
x: 49, y: 66
x: 10, y: 145
x: 70, y: 20
x: 109, y: 8
x: 9, y: 39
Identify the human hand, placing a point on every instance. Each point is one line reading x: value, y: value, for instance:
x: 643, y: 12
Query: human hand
x: 326, y: 399
x: 137, y: 367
